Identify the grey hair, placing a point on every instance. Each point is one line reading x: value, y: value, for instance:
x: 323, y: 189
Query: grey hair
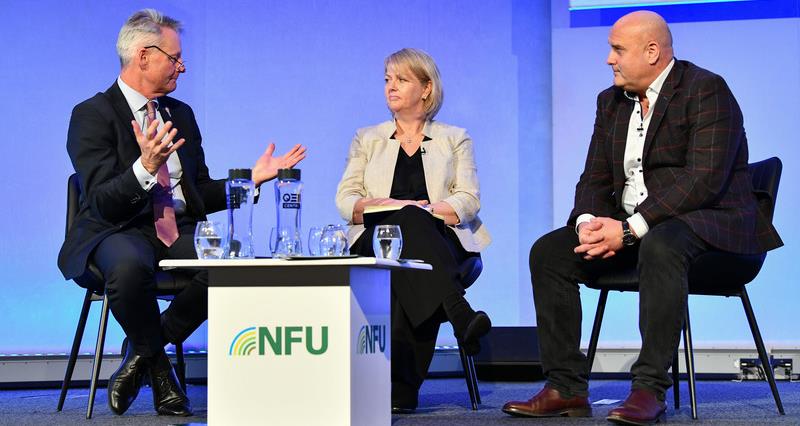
x: 143, y: 28
x: 424, y: 68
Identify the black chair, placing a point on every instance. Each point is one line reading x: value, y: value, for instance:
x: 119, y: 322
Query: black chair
x: 167, y: 285
x: 711, y: 274
x: 470, y: 271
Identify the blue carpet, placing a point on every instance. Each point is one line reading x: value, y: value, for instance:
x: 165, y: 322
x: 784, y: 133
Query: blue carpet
x: 442, y: 402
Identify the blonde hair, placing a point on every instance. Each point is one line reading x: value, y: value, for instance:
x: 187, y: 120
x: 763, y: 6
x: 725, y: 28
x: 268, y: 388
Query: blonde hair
x: 424, y: 68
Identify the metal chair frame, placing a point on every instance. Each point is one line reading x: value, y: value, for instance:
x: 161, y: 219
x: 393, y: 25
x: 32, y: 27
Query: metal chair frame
x: 766, y: 177
x: 95, y: 294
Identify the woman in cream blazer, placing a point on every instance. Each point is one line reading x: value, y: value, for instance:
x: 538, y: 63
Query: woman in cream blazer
x: 424, y: 167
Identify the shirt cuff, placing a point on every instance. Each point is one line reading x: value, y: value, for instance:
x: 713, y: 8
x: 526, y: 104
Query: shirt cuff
x: 583, y: 218
x: 638, y: 225
x: 146, y: 180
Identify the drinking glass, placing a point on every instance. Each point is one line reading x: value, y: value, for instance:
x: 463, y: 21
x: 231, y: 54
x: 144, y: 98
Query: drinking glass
x: 314, y: 236
x: 283, y: 244
x: 208, y: 240
x: 387, y: 242
x: 341, y: 240
x: 273, y: 241
x: 328, y: 241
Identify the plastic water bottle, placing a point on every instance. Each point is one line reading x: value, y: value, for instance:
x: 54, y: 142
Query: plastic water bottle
x: 288, y: 203
x: 239, y: 190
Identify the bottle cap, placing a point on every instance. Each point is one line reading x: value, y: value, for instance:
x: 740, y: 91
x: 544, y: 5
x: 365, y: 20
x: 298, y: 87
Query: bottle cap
x: 240, y: 174
x: 289, y: 174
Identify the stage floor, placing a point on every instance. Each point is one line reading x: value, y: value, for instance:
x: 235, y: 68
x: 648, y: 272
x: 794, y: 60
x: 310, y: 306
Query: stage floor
x: 443, y: 401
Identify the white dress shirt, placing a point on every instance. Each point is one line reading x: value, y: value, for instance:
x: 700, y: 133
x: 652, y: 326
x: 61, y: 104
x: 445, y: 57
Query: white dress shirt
x: 138, y: 105
x: 635, y: 190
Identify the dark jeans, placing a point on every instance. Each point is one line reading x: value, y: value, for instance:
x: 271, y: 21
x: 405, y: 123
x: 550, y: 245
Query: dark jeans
x: 416, y: 296
x: 662, y: 257
x: 128, y: 261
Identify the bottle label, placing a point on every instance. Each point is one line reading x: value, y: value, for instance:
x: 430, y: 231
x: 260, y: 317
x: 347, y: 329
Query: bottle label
x: 236, y: 196
x: 291, y: 201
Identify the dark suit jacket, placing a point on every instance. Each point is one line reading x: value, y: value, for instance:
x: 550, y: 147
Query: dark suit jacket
x: 695, y: 162
x: 102, y: 147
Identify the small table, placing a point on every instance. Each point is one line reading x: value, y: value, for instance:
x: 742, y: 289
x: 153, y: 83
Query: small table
x: 298, y: 341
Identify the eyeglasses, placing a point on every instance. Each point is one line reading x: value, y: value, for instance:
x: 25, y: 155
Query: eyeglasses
x: 177, y: 63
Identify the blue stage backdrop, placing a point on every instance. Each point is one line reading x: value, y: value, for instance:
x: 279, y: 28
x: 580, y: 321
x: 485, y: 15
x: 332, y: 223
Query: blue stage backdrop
x: 760, y: 60
x: 311, y: 72
x: 307, y: 72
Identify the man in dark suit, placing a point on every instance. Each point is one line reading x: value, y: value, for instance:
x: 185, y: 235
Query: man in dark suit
x: 665, y: 180
x: 145, y: 186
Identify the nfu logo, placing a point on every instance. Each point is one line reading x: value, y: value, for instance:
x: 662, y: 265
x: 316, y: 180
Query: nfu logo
x: 371, y: 337
x: 279, y: 340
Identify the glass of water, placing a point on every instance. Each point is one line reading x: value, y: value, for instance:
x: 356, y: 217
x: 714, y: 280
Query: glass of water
x: 327, y: 241
x: 314, y: 236
x: 341, y: 240
x: 273, y: 241
x: 333, y: 241
x: 387, y: 242
x: 208, y: 240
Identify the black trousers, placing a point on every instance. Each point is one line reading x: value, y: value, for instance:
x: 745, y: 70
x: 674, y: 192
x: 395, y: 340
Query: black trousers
x: 662, y: 257
x: 416, y: 296
x: 128, y: 261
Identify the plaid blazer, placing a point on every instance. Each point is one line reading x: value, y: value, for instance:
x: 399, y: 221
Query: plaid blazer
x: 694, y: 160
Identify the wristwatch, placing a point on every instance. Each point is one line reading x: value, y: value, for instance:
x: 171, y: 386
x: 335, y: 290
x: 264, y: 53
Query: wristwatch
x: 628, y: 238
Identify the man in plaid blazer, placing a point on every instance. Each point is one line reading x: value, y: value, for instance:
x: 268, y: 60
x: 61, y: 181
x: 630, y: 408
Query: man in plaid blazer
x: 665, y: 181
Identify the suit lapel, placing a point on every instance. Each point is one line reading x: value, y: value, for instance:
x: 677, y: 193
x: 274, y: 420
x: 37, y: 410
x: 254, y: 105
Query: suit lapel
x: 121, y: 107
x: 128, y: 148
x: 388, y: 160
x: 664, y: 98
x: 620, y: 138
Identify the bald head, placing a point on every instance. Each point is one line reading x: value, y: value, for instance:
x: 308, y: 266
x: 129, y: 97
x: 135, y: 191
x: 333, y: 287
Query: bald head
x: 647, y: 26
x: 641, y: 48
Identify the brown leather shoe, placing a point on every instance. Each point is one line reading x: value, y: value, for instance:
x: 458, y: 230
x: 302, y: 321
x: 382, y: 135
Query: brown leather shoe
x: 549, y: 403
x: 641, y: 408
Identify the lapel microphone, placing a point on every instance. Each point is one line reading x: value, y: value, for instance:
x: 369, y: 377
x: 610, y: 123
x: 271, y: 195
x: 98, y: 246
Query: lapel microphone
x: 422, y: 150
x: 635, y: 98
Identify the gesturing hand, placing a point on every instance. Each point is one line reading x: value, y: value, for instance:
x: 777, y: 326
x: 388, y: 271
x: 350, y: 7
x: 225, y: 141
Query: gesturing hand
x: 267, y: 166
x: 156, y: 147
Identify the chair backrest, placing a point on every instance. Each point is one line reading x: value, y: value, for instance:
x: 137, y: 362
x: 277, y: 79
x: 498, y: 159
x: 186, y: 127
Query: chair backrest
x: 73, y: 199
x: 766, y: 176
x: 92, y: 279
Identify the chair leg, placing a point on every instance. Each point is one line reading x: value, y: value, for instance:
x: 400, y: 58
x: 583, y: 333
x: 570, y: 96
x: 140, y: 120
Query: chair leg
x: 474, y: 378
x: 98, y: 355
x: 468, y: 375
x: 676, y: 384
x: 762, y: 351
x: 76, y: 345
x: 689, y: 353
x: 181, y: 365
x: 598, y: 320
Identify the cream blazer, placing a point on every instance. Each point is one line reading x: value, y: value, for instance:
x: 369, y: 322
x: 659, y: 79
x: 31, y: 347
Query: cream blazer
x: 450, y: 176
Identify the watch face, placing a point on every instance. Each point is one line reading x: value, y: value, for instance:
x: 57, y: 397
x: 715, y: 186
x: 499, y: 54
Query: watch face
x: 628, y: 239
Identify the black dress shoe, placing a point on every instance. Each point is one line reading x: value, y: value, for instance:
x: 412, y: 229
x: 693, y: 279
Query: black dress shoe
x: 168, y: 396
x: 477, y: 328
x: 124, y: 384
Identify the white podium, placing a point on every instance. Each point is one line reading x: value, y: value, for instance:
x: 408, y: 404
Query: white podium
x: 298, y: 342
